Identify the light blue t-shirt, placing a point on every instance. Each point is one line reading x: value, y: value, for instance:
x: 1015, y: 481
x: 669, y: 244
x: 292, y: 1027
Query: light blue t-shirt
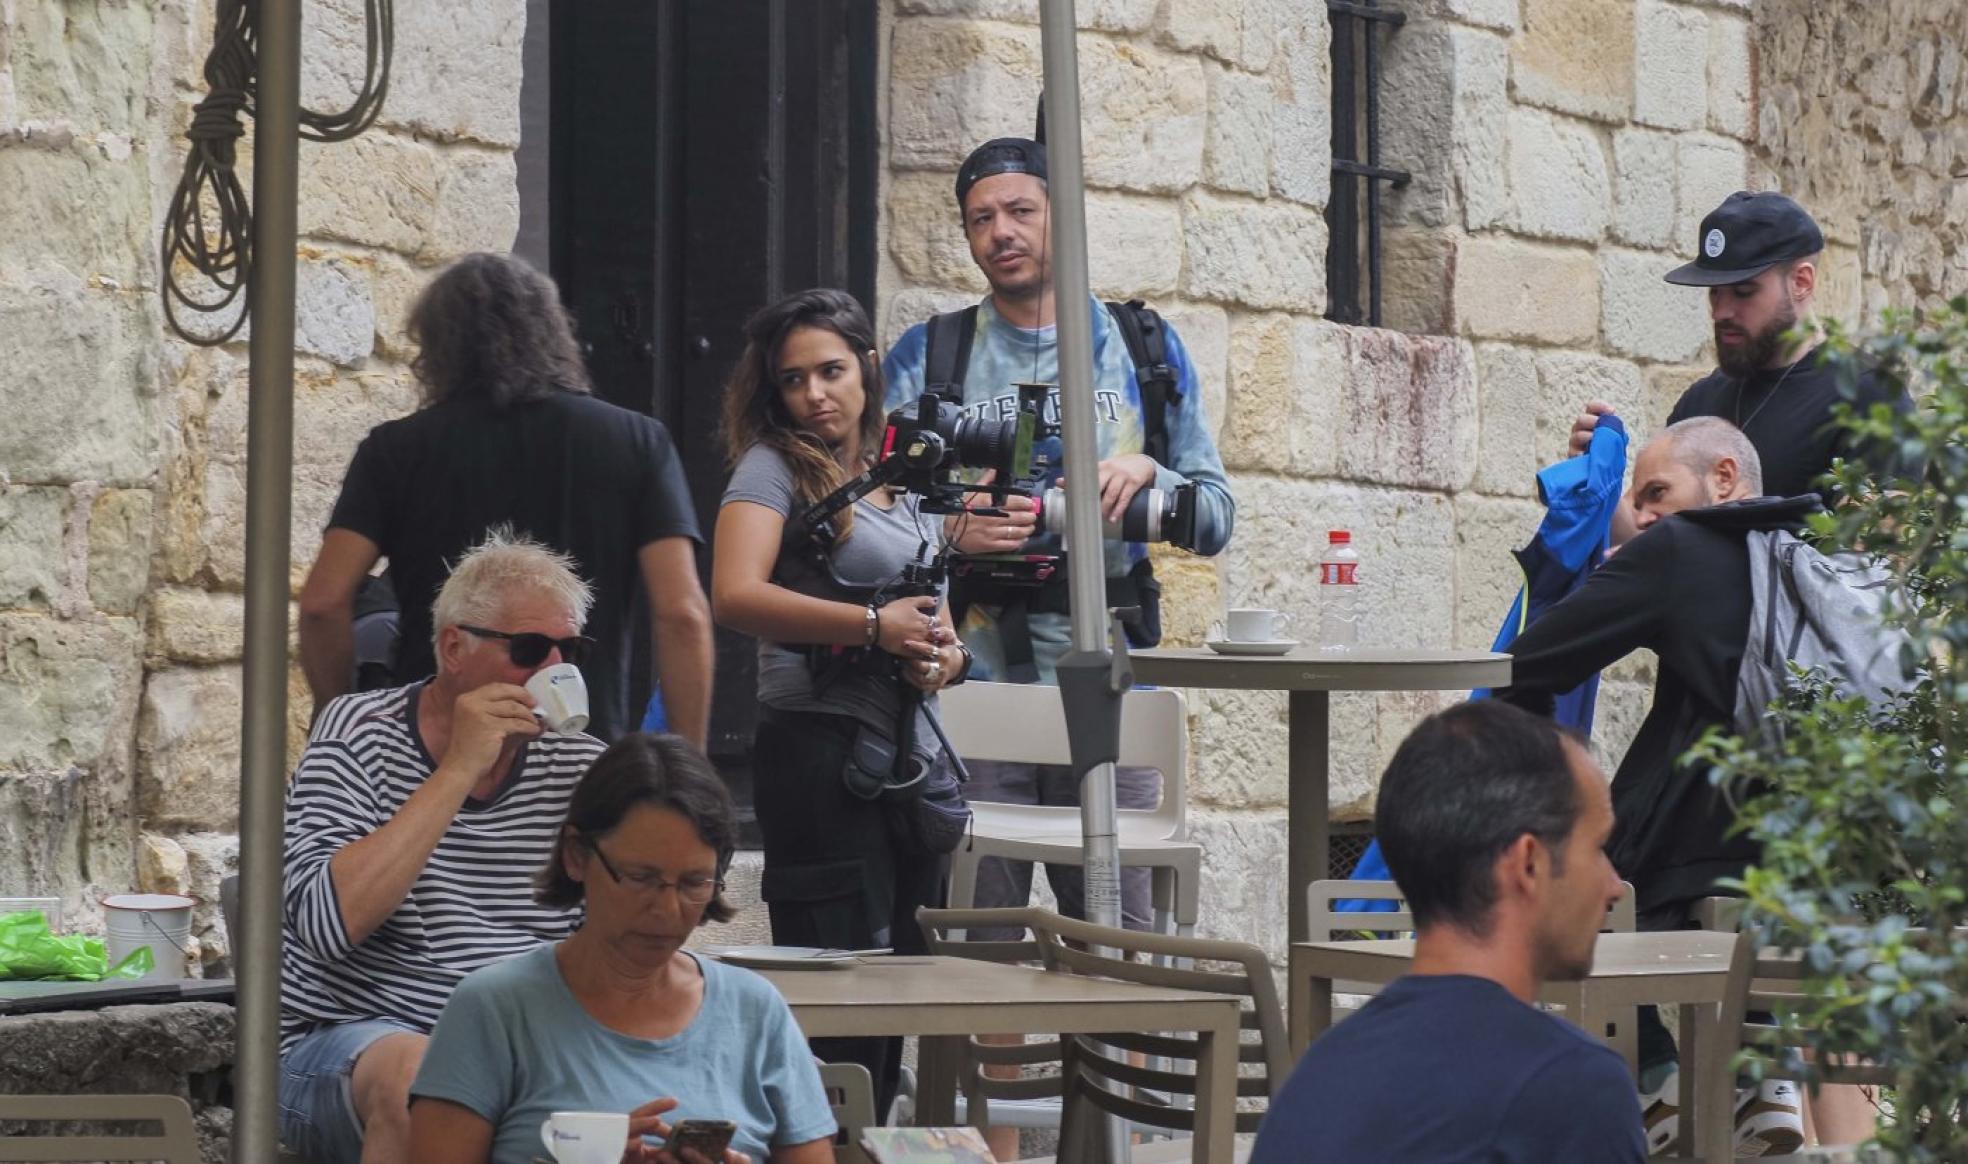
x: 515, y: 1046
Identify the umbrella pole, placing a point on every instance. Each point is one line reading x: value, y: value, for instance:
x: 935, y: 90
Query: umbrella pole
x: 1087, y: 677
x: 269, y: 504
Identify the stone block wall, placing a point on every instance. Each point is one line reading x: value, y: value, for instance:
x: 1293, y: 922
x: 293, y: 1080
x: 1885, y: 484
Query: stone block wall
x: 1863, y: 114
x: 122, y: 487
x: 183, y: 1049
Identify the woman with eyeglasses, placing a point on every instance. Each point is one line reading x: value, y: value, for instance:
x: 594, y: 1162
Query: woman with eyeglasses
x: 857, y: 806
x: 619, y: 1017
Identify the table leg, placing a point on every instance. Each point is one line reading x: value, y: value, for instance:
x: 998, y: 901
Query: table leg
x: 1298, y: 1001
x: 1309, y: 787
x: 937, y: 1058
x: 1694, y: 1088
x: 1216, y: 1091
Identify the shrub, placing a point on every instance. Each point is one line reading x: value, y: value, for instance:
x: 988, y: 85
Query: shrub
x: 1859, y: 809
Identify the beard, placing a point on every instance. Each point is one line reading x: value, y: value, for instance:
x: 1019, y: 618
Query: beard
x: 1762, y: 348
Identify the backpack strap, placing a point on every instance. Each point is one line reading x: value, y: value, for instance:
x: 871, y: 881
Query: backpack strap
x: 1147, y: 344
x: 947, y: 357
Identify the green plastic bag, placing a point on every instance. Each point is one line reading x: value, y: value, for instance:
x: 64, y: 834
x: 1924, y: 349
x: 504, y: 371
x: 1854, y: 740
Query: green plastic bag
x: 28, y: 949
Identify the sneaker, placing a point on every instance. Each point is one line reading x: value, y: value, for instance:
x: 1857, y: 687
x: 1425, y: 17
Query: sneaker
x: 1661, y: 1113
x: 1769, y: 1119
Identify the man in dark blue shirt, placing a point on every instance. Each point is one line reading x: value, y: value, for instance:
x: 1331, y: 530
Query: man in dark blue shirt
x: 1494, y: 823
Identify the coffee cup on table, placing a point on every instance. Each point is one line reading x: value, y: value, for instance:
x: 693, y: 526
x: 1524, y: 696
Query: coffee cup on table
x: 1252, y: 624
x: 560, y: 697
x: 586, y: 1137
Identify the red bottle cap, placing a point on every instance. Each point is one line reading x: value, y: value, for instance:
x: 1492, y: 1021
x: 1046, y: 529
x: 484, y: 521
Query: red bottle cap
x: 1339, y: 537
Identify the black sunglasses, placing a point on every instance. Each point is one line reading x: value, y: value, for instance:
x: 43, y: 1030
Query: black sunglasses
x: 530, y: 648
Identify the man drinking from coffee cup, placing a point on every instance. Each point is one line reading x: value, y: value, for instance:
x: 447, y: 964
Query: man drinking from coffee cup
x: 415, y: 821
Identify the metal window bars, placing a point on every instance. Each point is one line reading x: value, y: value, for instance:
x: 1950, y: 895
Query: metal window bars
x: 1356, y: 28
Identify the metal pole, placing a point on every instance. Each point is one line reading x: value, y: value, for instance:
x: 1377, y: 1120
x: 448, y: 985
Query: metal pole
x: 269, y: 502
x: 1074, y: 316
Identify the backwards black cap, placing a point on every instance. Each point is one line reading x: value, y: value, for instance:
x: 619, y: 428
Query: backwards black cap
x: 1004, y: 155
x: 1746, y: 236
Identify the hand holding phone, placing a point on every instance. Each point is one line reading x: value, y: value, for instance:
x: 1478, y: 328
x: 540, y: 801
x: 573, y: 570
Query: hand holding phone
x: 707, y: 1138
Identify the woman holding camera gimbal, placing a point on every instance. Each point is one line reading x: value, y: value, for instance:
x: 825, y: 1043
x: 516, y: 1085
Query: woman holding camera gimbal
x: 857, y: 803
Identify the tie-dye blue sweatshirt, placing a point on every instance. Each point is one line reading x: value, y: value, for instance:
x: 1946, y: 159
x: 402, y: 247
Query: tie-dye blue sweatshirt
x: 1004, y: 354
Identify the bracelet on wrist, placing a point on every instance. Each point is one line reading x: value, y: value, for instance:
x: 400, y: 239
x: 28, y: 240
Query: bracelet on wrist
x: 872, y: 624
x: 963, y: 669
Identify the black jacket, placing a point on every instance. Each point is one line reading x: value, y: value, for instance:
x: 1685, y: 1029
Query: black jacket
x: 1681, y: 589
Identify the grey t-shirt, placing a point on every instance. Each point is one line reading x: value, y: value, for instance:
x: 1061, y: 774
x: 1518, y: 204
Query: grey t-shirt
x: 882, y: 543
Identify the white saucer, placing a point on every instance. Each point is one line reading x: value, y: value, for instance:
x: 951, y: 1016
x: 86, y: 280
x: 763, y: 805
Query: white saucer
x: 784, y: 957
x: 1251, y: 647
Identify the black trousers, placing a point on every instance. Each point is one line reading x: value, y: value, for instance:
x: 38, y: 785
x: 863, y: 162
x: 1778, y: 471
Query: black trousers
x: 840, y: 872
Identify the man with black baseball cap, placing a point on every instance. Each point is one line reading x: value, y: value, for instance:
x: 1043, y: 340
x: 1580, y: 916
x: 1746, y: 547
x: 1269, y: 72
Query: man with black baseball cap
x: 1151, y: 432
x: 1757, y: 255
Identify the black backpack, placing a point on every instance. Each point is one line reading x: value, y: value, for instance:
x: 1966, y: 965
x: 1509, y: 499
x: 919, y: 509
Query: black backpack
x: 948, y: 360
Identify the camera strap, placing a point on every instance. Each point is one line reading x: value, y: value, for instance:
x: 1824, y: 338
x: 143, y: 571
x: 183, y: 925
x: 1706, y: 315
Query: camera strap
x: 1147, y: 344
x: 946, y: 359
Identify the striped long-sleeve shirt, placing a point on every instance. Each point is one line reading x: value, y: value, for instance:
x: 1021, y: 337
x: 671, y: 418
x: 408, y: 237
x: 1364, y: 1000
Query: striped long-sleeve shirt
x: 470, y: 907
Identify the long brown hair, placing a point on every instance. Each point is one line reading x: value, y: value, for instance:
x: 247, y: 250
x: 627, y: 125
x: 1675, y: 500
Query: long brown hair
x: 755, y: 412
x: 493, y: 327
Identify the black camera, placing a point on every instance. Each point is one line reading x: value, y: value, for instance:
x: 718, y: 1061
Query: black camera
x: 1154, y: 515
x: 932, y: 439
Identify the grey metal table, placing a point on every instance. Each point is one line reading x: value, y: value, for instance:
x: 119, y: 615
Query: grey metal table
x: 945, y: 999
x: 1310, y: 677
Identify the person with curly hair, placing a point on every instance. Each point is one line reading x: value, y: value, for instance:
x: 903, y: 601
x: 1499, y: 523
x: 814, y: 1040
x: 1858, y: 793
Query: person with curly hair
x: 510, y: 433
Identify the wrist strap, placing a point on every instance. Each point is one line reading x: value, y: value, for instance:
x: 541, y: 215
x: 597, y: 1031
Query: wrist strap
x: 873, y: 625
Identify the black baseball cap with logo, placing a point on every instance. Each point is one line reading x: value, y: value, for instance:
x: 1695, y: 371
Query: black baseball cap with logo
x: 1746, y: 236
x: 1003, y: 155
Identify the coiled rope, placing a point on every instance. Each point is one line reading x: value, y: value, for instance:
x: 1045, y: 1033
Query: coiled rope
x: 209, y: 225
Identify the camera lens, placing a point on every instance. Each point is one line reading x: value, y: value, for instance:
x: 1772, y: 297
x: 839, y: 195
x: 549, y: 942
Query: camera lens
x: 985, y: 444
x: 1142, y: 522
x: 1152, y: 516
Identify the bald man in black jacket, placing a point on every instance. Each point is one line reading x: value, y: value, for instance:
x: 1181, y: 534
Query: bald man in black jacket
x: 1681, y: 589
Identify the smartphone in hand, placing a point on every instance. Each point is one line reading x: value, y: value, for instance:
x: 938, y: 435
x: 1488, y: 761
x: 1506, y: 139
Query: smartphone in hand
x: 710, y: 1138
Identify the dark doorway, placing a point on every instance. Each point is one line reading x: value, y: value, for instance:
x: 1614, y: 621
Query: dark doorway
x: 703, y: 157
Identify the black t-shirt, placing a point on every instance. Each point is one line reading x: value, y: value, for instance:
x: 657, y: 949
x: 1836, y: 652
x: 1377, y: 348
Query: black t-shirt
x: 583, y: 476
x: 1449, y: 1069
x: 1786, y: 413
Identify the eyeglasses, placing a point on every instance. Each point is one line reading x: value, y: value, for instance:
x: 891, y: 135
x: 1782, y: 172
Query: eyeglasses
x: 692, y: 889
x: 530, y: 649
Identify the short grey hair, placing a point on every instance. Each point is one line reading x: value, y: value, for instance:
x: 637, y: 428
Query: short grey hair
x: 506, y: 564
x: 1700, y: 441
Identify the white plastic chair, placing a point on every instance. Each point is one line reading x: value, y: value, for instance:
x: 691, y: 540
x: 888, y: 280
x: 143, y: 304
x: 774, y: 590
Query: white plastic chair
x: 851, y: 1096
x: 1026, y: 724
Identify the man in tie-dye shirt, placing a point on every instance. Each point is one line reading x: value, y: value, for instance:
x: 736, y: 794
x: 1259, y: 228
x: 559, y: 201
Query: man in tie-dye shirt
x: 1002, y: 196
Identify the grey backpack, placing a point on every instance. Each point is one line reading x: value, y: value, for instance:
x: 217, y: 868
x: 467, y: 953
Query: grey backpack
x: 1819, y: 612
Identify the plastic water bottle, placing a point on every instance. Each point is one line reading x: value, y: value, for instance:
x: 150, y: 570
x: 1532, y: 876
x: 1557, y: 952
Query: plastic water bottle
x: 1339, y: 594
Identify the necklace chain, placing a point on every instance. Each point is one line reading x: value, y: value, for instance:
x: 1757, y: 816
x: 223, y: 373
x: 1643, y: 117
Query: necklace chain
x: 1744, y: 382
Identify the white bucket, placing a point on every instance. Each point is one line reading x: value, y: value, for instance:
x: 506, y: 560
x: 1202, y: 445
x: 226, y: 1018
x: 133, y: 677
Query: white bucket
x: 161, y: 921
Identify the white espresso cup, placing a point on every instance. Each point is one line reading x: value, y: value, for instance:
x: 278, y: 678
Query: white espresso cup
x: 1253, y: 625
x: 586, y: 1137
x: 561, y: 697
